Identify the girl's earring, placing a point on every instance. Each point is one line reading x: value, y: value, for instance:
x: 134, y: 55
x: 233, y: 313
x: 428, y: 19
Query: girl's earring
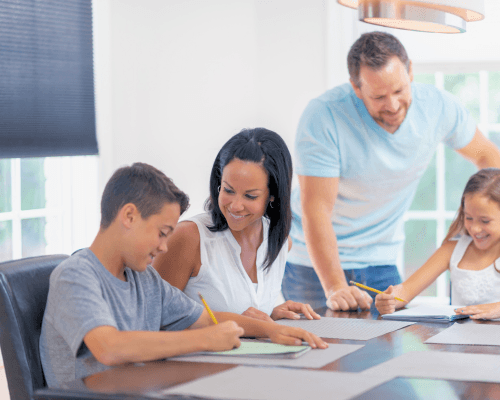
x: 219, y: 189
x: 271, y: 204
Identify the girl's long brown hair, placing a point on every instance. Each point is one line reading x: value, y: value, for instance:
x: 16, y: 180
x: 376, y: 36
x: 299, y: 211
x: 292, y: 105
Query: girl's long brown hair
x: 485, y: 182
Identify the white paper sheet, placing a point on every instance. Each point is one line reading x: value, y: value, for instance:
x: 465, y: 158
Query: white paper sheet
x: 441, y: 365
x: 468, y: 334
x: 346, y: 328
x: 315, y: 358
x: 278, y: 384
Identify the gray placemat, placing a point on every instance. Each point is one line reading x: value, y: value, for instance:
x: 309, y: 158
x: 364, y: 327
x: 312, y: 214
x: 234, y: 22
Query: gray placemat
x: 346, y: 328
x: 315, y: 358
x: 468, y: 334
x: 278, y: 384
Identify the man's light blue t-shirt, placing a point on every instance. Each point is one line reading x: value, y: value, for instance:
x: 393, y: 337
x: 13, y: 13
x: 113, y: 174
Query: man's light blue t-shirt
x: 378, y: 171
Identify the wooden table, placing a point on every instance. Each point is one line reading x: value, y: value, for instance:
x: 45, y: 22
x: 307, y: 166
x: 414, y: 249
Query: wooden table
x: 144, y: 380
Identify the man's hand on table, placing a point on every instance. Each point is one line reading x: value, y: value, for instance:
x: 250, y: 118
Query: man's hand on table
x: 348, y: 298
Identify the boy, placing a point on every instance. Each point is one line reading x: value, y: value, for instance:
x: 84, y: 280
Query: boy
x: 108, y: 306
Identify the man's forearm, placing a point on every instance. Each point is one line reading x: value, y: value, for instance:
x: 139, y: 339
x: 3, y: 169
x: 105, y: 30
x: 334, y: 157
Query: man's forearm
x: 321, y: 243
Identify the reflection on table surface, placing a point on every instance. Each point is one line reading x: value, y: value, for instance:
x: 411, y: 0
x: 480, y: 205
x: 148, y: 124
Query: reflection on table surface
x: 146, y: 379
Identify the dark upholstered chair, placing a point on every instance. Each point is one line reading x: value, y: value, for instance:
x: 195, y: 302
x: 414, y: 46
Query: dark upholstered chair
x: 24, y: 286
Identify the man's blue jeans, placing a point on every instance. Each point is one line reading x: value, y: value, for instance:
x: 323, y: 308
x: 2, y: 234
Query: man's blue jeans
x: 301, y: 283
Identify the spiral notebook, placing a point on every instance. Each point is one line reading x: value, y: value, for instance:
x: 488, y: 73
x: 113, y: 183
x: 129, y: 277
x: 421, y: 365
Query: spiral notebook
x: 427, y: 313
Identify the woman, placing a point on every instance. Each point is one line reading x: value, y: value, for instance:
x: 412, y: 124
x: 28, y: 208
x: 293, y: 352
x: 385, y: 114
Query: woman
x: 235, y: 254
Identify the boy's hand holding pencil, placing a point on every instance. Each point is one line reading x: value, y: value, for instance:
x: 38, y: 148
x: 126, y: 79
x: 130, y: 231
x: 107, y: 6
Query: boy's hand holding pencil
x: 226, y: 335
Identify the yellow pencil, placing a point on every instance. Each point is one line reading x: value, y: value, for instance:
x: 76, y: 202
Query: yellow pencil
x: 208, y: 308
x: 372, y: 289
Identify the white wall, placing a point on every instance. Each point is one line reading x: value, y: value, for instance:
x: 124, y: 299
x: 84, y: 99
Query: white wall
x: 175, y: 79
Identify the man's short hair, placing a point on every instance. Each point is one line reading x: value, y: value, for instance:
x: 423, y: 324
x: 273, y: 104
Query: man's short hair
x: 143, y: 185
x: 374, y: 49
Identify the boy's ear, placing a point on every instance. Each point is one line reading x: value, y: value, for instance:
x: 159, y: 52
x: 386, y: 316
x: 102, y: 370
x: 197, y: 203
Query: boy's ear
x: 128, y: 214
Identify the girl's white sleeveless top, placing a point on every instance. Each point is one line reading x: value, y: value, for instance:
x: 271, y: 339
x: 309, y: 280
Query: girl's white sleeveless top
x: 473, y: 287
x: 223, y: 281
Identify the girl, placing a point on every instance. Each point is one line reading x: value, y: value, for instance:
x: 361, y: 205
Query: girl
x: 235, y: 254
x: 473, y: 260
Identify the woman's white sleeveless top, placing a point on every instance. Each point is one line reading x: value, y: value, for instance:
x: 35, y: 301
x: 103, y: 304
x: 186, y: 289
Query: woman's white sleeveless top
x: 473, y: 287
x: 223, y: 281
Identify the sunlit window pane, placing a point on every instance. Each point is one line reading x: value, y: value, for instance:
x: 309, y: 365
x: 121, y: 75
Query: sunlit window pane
x: 425, y: 78
x: 33, y: 237
x: 425, y: 197
x: 494, y: 97
x: 419, y: 245
x: 5, y: 186
x: 458, y: 172
x: 466, y: 88
x: 32, y: 183
x: 5, y: 240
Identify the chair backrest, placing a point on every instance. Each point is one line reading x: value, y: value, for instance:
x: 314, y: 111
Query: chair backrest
x: 24, y: 286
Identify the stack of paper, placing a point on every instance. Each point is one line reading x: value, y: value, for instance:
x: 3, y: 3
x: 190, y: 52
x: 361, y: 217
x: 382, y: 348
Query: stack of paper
x: 426, y: 313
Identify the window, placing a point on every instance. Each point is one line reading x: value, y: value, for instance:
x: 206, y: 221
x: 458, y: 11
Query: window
x: 47, y: 206
x: 438, y: 195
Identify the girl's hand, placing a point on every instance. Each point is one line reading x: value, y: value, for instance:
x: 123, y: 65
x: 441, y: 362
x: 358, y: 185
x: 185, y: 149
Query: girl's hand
x: 293, y: 336
x: 257, y: 314
x: 385, y: 302
x: 481, y: 311
x: 290, y: 308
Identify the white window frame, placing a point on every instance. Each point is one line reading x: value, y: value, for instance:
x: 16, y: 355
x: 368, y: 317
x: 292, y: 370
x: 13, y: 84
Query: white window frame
x: 72, y: 204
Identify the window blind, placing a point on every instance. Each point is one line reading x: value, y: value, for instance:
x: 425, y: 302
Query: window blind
x: 46, y: 78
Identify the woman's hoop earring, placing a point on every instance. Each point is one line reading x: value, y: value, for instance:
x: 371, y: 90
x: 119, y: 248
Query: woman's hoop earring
x: 218, y: 189
x: 271, y: 204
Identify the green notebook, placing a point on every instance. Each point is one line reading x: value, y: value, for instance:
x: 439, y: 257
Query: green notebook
x: 262, y: 349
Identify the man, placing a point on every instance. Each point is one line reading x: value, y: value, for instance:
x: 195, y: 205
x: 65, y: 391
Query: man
x: 361, y: 150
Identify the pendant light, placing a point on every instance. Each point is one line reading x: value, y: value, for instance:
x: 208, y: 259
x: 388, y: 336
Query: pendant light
x: 442, y: 16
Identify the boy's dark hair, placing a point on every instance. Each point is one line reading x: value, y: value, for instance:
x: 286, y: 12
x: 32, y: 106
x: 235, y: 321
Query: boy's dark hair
x: 142, y: 185
x: 267, y: 148
x: 485, y: 182
x: 374, y: 49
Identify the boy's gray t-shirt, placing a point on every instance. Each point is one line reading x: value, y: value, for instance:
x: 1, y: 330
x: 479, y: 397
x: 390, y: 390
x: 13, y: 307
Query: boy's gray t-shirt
x: 84, y: 295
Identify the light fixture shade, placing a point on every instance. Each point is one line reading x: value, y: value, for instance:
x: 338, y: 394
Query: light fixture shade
x: 402, y: 15
x: 468, y: 10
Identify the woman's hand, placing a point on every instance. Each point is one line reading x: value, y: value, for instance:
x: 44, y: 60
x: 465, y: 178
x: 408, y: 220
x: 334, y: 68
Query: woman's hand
x: 481, y: 311
x: 289, y: 310
x: 293, y: 336
x: 257, y: 314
